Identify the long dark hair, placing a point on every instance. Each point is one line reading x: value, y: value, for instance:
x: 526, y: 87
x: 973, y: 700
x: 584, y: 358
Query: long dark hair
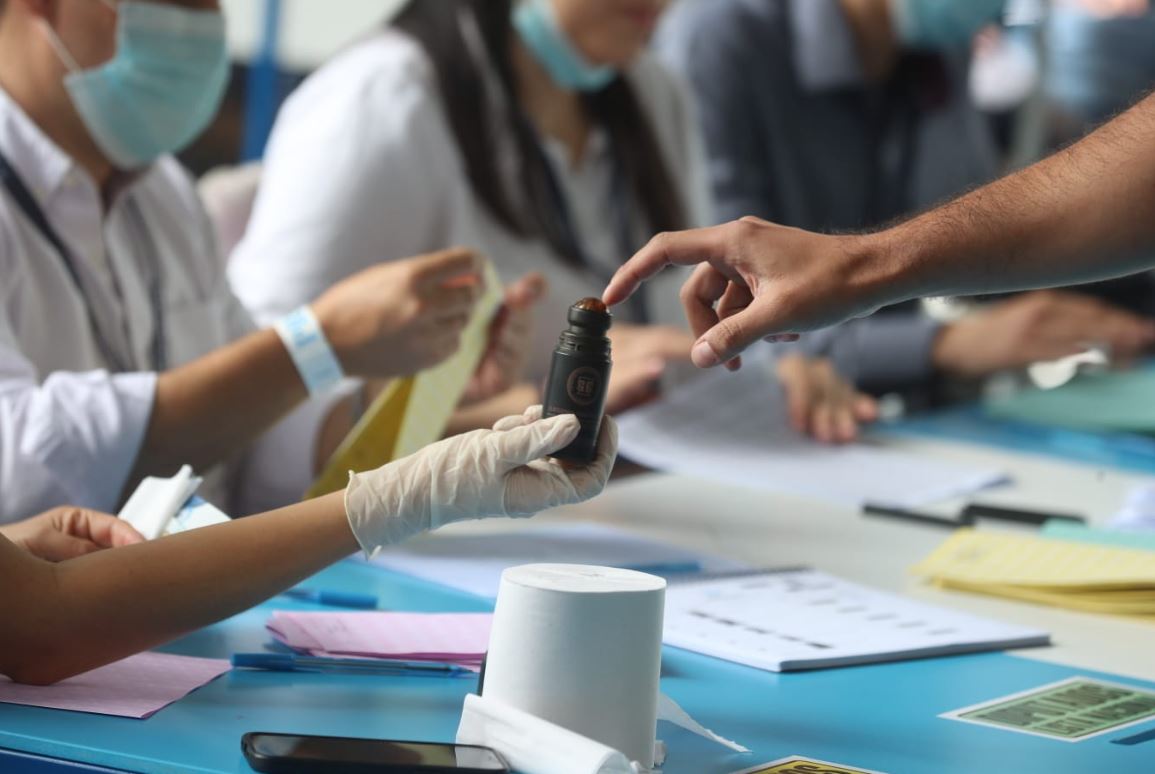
x: 437, y: 26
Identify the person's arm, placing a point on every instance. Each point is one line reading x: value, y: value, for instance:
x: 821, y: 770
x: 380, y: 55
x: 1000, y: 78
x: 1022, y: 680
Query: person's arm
x: 391, y: 320
x: 1082, y: 214
x: 61, y: 619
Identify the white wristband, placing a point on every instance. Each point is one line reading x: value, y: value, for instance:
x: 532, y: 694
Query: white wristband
x: 303, y: 338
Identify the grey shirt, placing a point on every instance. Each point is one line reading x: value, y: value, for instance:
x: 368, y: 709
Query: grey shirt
x: 797, y: 136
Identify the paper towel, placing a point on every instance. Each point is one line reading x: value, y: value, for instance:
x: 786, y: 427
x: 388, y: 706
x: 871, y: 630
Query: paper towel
x: 581, y: 647
x: 535, y: 746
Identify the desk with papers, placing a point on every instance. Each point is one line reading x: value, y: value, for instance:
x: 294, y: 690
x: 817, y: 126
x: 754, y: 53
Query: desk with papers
x: 882, y: 717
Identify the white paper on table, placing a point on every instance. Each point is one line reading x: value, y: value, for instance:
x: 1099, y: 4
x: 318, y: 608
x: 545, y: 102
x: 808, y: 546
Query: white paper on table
x: 733, y: 428
x: 474, y: 563
x: 806, y: 619
x: 1138, y: 511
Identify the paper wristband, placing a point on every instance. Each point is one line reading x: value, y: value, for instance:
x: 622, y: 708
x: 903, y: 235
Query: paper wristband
x: 303, y: 338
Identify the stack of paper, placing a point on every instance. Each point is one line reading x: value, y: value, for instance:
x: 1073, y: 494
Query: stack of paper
x: 461, y: 638
x: 805, y: 619
x: 1080, y: 576
x: 733, y: 428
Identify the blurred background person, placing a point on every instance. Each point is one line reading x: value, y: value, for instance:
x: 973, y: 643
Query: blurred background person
x: 837, y: 115
x: 541, y: 133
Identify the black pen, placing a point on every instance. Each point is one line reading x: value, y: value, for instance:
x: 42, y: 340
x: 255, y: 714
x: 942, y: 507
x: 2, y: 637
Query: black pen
x: 919, y: 518
x: 1038, y: 518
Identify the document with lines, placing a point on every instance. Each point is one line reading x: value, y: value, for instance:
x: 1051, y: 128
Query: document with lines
x: 805, y: 619
x: 733, y: 428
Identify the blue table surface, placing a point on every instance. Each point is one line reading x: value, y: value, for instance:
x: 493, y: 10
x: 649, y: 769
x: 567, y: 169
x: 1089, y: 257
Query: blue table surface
x: 881, y: 717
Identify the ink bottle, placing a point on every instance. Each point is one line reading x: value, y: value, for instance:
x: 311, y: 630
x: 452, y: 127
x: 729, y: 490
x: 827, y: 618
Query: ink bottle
x: 579, y: 375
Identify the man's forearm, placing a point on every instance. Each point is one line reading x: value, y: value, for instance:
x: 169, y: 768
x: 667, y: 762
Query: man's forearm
x: 1085, y: 213
x: 219, y: 404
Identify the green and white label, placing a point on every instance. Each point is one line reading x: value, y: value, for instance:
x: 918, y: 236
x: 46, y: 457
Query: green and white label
x: 1070, y: 710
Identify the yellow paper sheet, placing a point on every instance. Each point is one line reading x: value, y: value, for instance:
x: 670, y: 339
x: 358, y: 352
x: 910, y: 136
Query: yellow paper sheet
x: 977, y: 558
x: 413, y: 413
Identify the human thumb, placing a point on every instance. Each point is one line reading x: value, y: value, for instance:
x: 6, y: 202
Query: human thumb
x: 731, y: 336
x: 538, y: 439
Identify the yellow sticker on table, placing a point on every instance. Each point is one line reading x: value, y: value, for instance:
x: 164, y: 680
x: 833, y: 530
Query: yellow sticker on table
x: 798, y: 765
x: 414, y: 412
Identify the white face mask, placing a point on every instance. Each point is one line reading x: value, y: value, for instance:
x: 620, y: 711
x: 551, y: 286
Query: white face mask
x: 161, y: 89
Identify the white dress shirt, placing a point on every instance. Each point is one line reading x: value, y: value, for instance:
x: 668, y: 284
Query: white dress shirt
x: 363, y: 167
x: 70, y: 428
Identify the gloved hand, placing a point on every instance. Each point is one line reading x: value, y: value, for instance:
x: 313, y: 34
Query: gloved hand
x: 498, y: 472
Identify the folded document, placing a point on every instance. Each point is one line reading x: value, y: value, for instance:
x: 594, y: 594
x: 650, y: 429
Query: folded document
x: 1075, y: 575
x: 457, y: 637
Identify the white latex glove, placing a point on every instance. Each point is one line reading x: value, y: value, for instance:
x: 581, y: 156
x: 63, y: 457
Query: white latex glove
x: 498, y: 472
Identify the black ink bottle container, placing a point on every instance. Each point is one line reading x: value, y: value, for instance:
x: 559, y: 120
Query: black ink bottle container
x: 579, y: 375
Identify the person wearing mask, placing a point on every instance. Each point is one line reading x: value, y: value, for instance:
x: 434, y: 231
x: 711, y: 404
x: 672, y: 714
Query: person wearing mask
x: 861, y: 114
x: 1083, y: 214
x: 63, y: 611
x: 123, y: 353
x: 540, y: 132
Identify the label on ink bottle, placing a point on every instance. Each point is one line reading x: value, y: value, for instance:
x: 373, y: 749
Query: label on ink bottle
x: 584, y: 385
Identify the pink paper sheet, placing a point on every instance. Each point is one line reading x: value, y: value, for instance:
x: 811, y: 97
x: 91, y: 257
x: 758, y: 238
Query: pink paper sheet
x: 428, y: 636
x: 137, y: 687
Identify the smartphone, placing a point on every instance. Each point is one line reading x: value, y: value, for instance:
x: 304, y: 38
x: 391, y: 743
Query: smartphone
x: 295, y: 754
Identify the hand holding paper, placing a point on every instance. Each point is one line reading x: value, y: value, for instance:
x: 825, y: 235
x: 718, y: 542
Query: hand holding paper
x: 499, y: 472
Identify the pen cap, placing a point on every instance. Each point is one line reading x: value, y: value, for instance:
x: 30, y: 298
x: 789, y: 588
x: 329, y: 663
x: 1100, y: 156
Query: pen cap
x: 581, y: 647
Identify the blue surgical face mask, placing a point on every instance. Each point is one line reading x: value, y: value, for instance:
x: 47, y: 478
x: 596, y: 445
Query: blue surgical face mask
x: 161, y: 89
x: 942, y: 24
x: 537, y: 24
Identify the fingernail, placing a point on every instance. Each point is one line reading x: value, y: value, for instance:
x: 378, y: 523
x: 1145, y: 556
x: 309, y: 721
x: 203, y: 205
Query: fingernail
x: 704, y: 355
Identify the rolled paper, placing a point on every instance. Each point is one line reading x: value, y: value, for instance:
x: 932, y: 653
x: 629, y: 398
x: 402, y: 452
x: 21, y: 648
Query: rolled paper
x: 581, y: 647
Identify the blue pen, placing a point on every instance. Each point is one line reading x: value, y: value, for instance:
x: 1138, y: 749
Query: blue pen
x: 666, y: 568
x: 289, y: 662
x: 333, y: 598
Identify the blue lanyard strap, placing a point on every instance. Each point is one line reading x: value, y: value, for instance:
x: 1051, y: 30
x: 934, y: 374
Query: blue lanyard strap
x: 32, y: 211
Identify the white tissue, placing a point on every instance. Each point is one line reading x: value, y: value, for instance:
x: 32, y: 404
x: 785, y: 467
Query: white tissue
x: 157, y: 500
x: 671, y: 712
x: 535, y: 746
x: 1055, y: 373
